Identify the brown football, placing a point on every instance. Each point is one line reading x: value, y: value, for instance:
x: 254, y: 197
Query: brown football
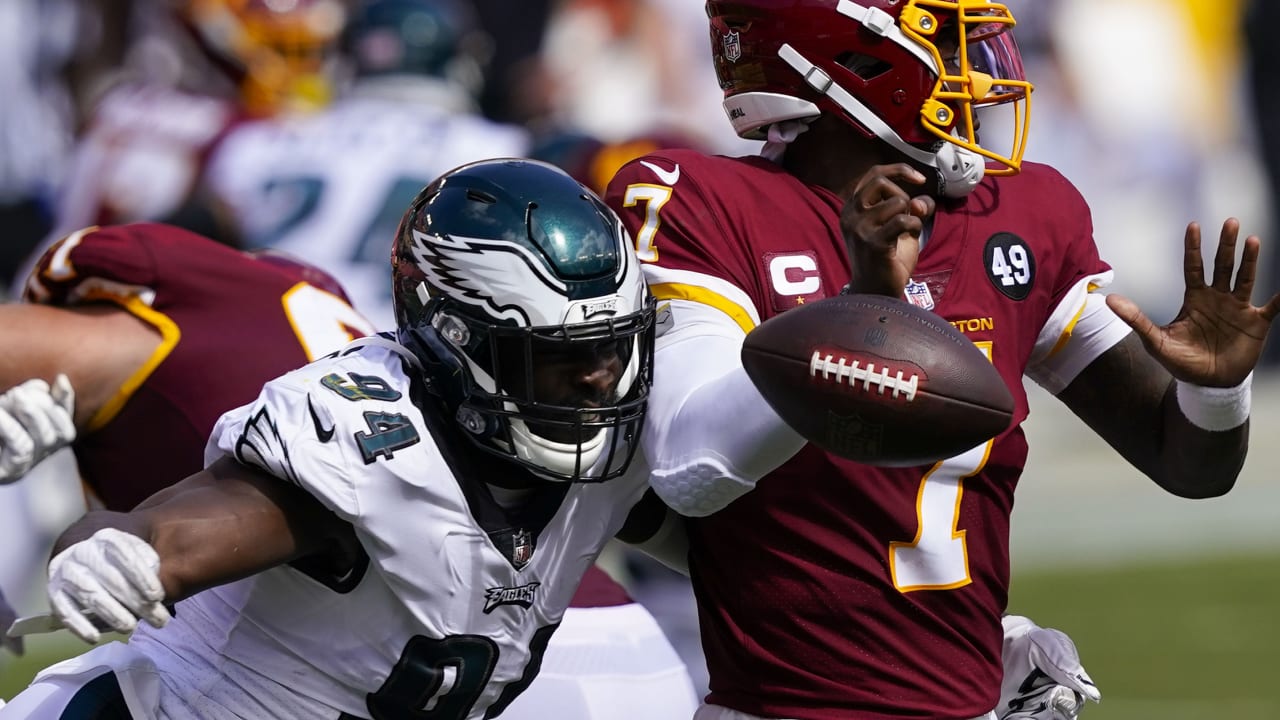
x: 877, y: 380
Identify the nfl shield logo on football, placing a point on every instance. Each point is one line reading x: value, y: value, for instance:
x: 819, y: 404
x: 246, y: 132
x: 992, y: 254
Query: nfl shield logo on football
x: 918, y: 294
x: 732, y: 48
x: 521, y: 548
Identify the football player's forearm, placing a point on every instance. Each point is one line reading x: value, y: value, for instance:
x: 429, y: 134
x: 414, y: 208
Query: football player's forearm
x: 1130, y: 401
x: 709, y: 434
x: 93, y: 521
x: 1198, y: 463
x: 220, y: 525
x: 231, y: 521
x: 99, y: 347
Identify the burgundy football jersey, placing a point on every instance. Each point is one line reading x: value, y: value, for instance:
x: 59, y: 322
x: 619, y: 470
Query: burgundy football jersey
x: 228, y: 323
x: 838, y: 590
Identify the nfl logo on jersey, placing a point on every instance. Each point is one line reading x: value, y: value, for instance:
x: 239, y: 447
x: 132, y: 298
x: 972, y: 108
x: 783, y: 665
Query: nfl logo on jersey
x: 732, y: 48
x: 918, y: 294
x: 521, y: 549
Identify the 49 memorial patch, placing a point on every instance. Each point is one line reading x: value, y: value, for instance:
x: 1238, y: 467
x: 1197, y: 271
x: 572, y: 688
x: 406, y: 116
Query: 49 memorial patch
x: 1010, y: 265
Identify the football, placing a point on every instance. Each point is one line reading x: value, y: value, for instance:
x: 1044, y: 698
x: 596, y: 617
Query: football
x: 877, y: 380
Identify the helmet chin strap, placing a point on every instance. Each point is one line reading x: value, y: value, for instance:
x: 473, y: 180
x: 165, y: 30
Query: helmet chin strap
x: 959, y: 170
x: 563, y: 458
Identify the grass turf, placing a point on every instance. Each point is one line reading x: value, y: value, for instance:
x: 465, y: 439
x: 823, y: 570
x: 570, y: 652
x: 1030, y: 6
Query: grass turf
x: 1190, y: 641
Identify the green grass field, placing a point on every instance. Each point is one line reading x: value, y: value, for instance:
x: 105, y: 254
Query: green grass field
x: 1194, y: 641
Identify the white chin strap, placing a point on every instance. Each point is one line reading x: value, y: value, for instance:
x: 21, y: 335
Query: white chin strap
x: 959, y: 169
x: 563, y: 458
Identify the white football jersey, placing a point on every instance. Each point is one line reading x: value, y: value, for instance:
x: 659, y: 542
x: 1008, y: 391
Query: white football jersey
x: 457, y: 601
x: 331, y: 187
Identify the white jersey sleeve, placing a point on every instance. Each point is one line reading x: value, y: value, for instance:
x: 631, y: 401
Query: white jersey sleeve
x: 319, y: 427
x: 1080, y: 329
x: 701, y: 463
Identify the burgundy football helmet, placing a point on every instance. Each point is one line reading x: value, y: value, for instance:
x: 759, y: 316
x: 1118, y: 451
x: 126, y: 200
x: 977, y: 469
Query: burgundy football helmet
x: 282, y: 53
x: 910, y: 72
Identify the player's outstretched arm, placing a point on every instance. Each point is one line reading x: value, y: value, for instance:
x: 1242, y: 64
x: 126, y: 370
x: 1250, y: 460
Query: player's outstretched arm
x: 1174, y: 399
x: 61, y: 366
x: 224, y: 523
x: 97, y: 346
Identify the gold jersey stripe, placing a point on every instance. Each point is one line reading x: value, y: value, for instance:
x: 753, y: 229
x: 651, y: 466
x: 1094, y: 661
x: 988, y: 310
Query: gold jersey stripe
x: 169, y: 336
x: 681, y: 291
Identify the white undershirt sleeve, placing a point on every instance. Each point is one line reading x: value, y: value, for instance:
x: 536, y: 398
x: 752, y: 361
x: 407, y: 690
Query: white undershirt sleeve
x: 709, y: 435
x: 1080, y: 329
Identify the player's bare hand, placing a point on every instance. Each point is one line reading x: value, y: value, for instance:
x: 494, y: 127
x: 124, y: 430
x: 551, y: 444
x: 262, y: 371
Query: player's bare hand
x: 882, y: 224
x: 1217, y: 336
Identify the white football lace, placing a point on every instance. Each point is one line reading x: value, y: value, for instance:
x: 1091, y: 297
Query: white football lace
x: 851, y: 372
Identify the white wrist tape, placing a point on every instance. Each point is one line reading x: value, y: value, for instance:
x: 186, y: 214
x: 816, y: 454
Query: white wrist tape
x: 1216, y: 409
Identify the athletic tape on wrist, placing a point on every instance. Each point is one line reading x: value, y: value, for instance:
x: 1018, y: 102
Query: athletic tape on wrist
x: 1216, y: 409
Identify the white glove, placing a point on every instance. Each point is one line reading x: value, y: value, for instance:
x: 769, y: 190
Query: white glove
x: 35, y: 420
x: 114, y: 576
x: 1043, y: 678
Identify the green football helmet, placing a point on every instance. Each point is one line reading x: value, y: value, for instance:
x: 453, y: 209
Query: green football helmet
x: 500, y: 265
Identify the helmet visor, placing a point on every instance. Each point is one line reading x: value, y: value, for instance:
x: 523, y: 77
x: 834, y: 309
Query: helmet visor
x: 996, y: 57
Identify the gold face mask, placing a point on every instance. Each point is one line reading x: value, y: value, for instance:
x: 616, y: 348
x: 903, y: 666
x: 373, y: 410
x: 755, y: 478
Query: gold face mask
x: 979, y: 66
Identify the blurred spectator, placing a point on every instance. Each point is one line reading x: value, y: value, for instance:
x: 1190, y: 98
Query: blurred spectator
x: 1141, y: 112
x: 37, y: 43
x: 621, y: 69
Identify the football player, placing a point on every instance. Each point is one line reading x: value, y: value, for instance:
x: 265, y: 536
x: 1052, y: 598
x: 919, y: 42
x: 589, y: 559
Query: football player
x: 871, y: 591
x: 331, y: 186
x: 418, y: 508
x: 126, y: 331
x: 195, y: 69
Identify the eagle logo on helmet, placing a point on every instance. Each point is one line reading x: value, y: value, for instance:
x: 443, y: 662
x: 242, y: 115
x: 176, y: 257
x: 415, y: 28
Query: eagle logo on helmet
x: 732, y: 47
x: 479, y: 270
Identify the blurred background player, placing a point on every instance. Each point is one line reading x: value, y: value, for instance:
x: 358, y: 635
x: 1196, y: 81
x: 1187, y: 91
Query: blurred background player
x: 141, y: 323
x: 332, y: 185
x: 146, y: 88
x: 192, y: 71
x: 38, y: 41
x: 879, y: 592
